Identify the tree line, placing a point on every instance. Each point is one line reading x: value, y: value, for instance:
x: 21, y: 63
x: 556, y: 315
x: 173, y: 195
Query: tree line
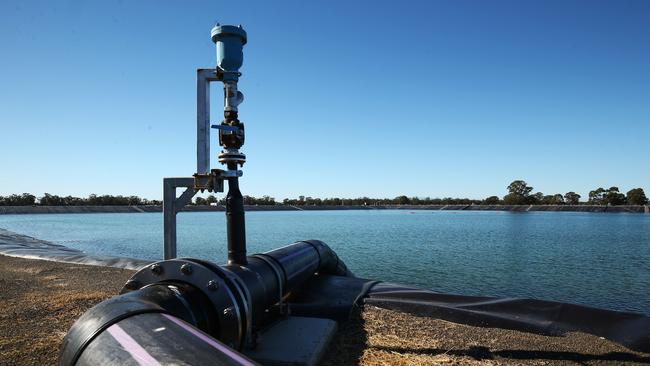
x: 27, y: 199
x: 519, y: 193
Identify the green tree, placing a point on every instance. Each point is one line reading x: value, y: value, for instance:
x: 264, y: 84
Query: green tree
x: 518, y: 193
x: 492, y: 200
x: 597, y: 196
x: 553, y: 199
x: 51, y: 200
x: 614, y: 197
x: 636, y: 196
x: 520, y: 187
x: 402, y: 200
x: 571, y: 198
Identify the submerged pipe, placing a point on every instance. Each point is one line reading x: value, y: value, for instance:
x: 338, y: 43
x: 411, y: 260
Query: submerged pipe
x: 169, y: 305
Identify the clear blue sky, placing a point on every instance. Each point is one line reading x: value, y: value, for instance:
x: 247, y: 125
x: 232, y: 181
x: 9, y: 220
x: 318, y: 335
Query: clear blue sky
x: 343, y: 98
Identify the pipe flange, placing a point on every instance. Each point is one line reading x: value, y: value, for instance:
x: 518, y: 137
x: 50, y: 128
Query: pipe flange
x: 211, y: 281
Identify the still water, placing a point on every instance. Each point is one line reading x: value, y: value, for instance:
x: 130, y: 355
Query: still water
x: 594, y: 259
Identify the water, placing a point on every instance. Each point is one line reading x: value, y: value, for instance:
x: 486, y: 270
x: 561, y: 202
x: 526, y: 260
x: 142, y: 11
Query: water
x: 601, y: 260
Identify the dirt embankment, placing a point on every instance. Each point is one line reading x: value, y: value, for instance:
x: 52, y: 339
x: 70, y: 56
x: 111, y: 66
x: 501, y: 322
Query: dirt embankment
x: 15, y: 210
x: 40, y: 300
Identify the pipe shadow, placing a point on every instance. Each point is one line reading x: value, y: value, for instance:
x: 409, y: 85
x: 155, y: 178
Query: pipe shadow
x: 481, y: 353
x: 349, y: 342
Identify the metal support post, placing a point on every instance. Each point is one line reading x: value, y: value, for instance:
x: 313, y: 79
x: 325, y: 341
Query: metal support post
x: 171, y: 206
x: 203, y: 79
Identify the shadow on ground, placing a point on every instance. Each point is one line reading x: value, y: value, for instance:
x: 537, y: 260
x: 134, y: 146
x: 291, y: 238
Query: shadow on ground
x: 376, y: 336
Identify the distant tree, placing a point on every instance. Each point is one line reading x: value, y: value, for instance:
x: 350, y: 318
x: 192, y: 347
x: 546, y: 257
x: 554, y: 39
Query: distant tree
x: 513, y: 199
x: 134, y: 200
x: 571, y: 198
x: 520, y: 187
x: 24, y: 199
x: 636, y: 196
x: 535, y: 199
x: 614, y: 197
x: 518, y: 193
x: 492, y: 200
x: 553, y: 199
x: 51, y: 200
x: 597, y: 196
x: 610, y: 196
x: 211, y: 199
x: 558, y: 199
x: 200, y: 201
x: 402, y: 200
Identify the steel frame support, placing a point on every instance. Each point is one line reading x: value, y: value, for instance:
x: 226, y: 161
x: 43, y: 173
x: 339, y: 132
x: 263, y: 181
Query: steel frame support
x: 171, y: 206
x: 203, y: 79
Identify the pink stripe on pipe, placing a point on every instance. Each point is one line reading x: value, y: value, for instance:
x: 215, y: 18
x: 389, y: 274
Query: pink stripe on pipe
x: 132, y: 347
x: 221, y: 347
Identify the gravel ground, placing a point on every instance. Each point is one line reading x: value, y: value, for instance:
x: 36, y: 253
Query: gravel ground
x: 41, y: 299
x: 384, y: 337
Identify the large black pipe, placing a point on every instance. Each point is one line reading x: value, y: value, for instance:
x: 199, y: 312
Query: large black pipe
x: 157, y: 339
x: 227, y: 302
x: 155, y: 324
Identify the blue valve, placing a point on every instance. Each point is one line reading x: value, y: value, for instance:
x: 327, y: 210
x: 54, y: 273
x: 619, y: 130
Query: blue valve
x: 229, y: 40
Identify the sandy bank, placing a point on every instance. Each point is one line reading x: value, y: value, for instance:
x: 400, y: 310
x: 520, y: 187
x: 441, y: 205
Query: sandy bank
x: 41, y: 299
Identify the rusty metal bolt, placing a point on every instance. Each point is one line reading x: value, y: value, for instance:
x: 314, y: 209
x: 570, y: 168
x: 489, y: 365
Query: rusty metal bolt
x: 213, y: 285
x: 186, y: 269
x: 156, y: 269
x: 132, y: 285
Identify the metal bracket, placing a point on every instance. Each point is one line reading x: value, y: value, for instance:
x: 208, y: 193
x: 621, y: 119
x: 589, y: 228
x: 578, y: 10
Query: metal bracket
x: 171, y: 206
x: 213, y: 182
x: 203, y: 79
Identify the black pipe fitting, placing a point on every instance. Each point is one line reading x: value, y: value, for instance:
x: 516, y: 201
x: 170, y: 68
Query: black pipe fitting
x: 235, y: 222
x: 229, y: 303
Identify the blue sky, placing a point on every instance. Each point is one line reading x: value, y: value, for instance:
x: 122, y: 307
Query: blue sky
x: 343, y: 98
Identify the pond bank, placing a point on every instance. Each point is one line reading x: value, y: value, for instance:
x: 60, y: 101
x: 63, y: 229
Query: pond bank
x: 41, y: 300
x: 16, y: 210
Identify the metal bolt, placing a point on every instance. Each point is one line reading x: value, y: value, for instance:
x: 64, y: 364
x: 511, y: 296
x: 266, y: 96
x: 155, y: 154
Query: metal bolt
x: 186, y: 269
x: 156, y: 269
x: 228, y: 312
x: 213, y: 285
x: 132, y: 284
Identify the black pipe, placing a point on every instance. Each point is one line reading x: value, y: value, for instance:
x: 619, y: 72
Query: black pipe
x: 96, y: 334
x: 235, y: 224
x: 157, y: 339
x: 227, y: 302
x: 270, y: 276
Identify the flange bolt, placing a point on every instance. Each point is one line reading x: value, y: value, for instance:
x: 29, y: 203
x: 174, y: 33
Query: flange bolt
x: 132, y: 285
x: 213, y: 285
x: 156, y: 269
x: 186, y: 269
x: 228, y: 312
